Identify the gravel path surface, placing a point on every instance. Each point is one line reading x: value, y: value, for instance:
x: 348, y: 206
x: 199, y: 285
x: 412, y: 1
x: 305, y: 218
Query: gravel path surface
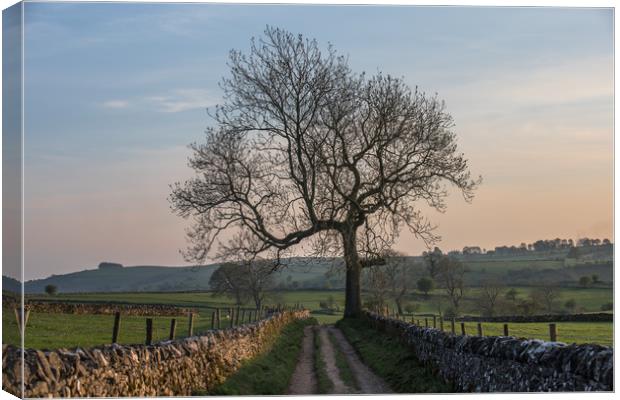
x: 367, y: 381
x: 304, y: 380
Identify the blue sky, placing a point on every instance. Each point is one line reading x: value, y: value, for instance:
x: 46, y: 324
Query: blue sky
x: 115, y: 92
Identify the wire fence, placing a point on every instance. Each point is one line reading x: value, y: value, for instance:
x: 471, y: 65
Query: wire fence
x: 567, y: 332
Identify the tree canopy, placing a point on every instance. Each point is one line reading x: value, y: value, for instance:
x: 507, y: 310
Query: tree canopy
x: 305, y: 152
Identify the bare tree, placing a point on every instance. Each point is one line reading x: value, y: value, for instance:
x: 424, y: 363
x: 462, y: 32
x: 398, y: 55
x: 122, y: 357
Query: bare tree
x: 376, y: 284
x: 244, y: 281
x: 546, y: 296
x: 432, y: 259
x: 305, y: 151
x: 260, y: 280
x: 489, y: 297
x: 451, y: 276
x: 229, y: 280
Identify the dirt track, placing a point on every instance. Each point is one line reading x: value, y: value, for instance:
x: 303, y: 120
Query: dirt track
x: 304, y: 377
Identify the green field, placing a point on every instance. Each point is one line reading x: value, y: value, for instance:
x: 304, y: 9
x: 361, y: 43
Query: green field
x: 68, y: 330
x: 517, y: 263
x: 567, y: 332
x: 590, y: 299
x: 47, y: 331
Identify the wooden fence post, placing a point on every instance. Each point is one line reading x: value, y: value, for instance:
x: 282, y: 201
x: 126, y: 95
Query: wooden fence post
x: 218, y: 317
x: 213, y: 320
x: 22, y: 320
x: 434, y: 322
x: 506, y: 330
x: 237, y: 312
x: 242, y: 316
x: 441, y: 323
x: 462, y: 328
x: 173, y: 328
x: 479, y: 329
x: 553, y: 334
x: 425, y: 322
x: 190, y: 330
x: 117, y: 326
x: 149, y: 331
x: 452, y: 323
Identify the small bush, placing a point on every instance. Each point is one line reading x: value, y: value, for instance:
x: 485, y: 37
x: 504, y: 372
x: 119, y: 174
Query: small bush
x: 607, y: 307
x: 412, y: 307
x: 450, y: 313
x: 570, y: 305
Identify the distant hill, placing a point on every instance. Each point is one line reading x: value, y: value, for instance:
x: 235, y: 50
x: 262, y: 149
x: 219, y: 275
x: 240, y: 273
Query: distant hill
x: 108, y: 277
x: 11, y: 285
x: 312, y: 273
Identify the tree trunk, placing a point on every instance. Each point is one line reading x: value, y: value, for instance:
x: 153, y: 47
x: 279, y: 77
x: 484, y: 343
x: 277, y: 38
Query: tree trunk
x: 399, y: 305
x: 353, y: 298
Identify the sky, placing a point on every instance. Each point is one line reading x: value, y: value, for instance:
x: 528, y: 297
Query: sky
x: 114, y: 93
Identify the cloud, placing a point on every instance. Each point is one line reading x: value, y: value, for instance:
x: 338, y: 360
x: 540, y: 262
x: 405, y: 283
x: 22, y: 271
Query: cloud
x: 170, y: 102
x: 115, y: 104
x: 183, y: 100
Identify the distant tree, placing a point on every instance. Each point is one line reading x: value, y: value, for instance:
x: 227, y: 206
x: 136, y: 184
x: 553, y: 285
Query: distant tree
x: 230, y: 280
x: 432, y: 259
x: 51, y: 289
x: 511, y: 295
x: 451, y: 277
x: 468, y: 250
x: 585, y: 281
x: 573, y: 253
x: 392, y: 278
x: 594, y: 278
x: 260, y: 280
x: 244, y: 281
x: 425, y: 285
x: 584, y: 242
x: 399, y: 274
x: 527, y: 306
x: 546, y: 296
x: 450, y: 312
x: 488, y: 298
x: 606, y: 242
x: 412, y: 307
x: 570, y: 305
x: 377, y: 285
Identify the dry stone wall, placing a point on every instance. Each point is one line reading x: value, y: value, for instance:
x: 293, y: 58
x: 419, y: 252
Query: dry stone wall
x: 170, y: 368
x: 106, y: 308
x: 505, y: 364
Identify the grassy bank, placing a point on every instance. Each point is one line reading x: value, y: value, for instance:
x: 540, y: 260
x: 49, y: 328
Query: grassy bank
x: 391, y: 360
x: 269, y: 373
